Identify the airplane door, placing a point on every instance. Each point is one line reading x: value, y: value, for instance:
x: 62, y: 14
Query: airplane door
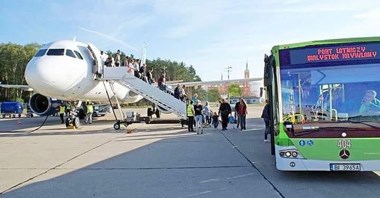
x: 98, y: 63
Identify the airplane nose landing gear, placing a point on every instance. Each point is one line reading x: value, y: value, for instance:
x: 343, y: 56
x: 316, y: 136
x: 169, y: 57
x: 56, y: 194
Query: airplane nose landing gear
x: 72, y: 121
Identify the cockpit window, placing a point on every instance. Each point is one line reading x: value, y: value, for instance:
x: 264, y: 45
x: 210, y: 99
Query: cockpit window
x: 70, y: 53
x: 40, y: 52
x: 55, y: 52
x: 78, y: 55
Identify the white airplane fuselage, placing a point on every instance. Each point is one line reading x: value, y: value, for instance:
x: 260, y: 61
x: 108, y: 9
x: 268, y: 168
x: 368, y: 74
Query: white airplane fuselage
x: 65, y: 70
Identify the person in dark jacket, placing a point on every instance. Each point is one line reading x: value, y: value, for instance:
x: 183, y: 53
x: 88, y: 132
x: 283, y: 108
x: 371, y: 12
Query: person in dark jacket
x: 242, y: 113
x: 266, y: 116
x: 177, y: 91
x: 224, y: 111
x: 236, y: 111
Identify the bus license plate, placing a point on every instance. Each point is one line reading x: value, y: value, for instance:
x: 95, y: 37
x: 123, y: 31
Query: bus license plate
x: 345, y: 167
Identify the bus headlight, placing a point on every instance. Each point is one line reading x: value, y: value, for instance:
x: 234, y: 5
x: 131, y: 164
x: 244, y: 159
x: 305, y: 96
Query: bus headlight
x: 290, y: 153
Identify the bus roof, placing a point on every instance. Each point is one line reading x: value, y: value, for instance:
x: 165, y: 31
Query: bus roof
x: 324, y: 42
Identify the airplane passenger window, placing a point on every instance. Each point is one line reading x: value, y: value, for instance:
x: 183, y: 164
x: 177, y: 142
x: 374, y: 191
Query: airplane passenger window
x: 78, y: 55
x: 55, y: 52
x: 41, y: 52
x: 70, y: 53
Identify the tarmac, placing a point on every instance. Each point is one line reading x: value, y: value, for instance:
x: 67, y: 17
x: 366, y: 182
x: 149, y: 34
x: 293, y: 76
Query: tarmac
x: 160, y: 160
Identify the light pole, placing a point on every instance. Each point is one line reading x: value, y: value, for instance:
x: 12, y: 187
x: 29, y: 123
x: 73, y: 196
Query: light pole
x: 229, y: 68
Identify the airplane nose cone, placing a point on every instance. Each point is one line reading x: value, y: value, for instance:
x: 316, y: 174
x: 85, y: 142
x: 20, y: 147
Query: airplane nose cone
x: 44, y: 75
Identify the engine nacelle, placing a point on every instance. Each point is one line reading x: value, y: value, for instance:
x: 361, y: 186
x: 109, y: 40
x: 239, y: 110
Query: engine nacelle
x: 42, y: 105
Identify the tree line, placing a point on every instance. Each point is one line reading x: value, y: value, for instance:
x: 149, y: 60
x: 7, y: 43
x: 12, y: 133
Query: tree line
x: 14, y: 58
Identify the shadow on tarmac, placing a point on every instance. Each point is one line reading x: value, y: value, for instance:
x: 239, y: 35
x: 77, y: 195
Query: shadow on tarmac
x: 218, y: 164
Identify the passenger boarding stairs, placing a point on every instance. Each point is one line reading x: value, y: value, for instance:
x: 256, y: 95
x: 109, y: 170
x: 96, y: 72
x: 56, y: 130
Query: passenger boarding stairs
x: 150, y: 92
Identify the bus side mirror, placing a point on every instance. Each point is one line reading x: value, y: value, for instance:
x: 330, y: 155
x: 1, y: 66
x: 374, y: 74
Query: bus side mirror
x: 268, y: 70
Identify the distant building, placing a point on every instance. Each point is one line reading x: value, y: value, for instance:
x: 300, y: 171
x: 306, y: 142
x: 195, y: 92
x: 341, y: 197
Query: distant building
x: 250, y: 90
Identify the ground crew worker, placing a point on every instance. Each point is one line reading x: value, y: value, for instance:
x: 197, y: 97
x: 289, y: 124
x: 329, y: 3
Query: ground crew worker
x: 62, y: 112
x: 190, y: 115
x: 68, y: 109
x: 89, y: 111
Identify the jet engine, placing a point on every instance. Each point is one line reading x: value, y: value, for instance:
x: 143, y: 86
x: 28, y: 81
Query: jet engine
x: 42, y: 105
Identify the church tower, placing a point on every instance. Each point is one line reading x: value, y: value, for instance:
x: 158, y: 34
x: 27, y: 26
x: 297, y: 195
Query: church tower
x: 246, y: 71
x: 246, y: 87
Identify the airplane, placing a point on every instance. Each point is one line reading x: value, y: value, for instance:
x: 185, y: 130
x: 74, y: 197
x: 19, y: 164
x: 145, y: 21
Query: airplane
x: 69, y: 70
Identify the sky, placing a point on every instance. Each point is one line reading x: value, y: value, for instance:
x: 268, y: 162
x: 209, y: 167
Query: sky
x: 210, y: 35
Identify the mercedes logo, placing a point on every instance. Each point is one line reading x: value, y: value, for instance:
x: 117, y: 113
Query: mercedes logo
x: 344, y: 154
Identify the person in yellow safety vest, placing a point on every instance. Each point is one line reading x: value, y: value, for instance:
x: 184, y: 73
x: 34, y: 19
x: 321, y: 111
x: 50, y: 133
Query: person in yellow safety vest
x: 190, y: 115
x: 68, y: 109
x: 62, y: 112
x: 89, y: 111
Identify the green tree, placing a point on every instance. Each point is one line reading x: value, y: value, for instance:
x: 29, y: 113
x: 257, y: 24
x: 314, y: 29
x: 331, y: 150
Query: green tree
x: 234, y: 90
x: 13, y: 61
x: 202, y: 94
x: 173, y: 69
x: 213, y: 94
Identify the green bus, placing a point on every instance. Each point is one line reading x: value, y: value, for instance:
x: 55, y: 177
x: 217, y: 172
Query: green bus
x: 326, y: 115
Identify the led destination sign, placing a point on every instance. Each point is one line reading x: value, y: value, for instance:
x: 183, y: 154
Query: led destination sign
x: 334, y: 53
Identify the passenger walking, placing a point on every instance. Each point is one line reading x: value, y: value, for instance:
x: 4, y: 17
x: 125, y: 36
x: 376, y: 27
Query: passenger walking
x: 242, y: 112
x: 182, y: 93
x: 177, y: 91
x: 215, y: 120
x: 236, y: 110
x: 161, y: 82
x: 198, y: 117
x: 190, y: 115
x: 117, y: 58
x: 266, y: 116
x: 142, y: 72
x: 104, y: 57
x: 194, y: 98
x: 224, y: 111
x: 89, y: 111
x: 149, y: 76
x: 109, y: 61
x: 207, y: 113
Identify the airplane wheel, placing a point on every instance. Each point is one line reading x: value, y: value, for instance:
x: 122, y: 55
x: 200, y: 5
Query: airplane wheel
x: 116, y: 126
x: 147, y: 120
x: 67, y: 122
x: 76, y: 122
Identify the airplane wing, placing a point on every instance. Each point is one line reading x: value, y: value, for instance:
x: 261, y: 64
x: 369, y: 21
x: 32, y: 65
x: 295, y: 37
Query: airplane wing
x: 22, y: 87
x: 216, y: 82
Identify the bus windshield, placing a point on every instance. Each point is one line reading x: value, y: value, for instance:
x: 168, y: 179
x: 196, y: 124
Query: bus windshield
x: 331, y: 100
